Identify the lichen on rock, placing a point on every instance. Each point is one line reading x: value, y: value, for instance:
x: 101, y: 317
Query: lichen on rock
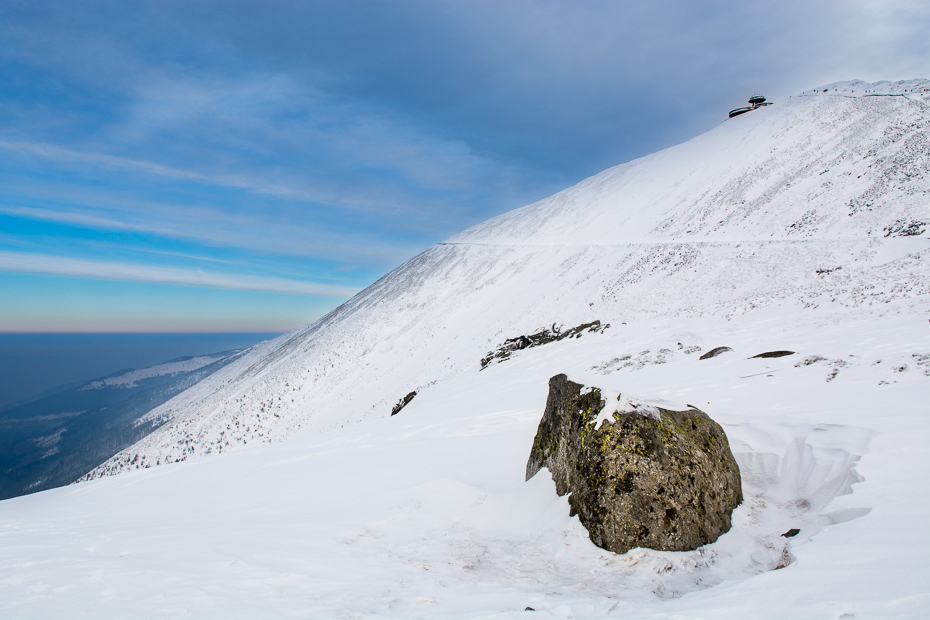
x: 667, y: 482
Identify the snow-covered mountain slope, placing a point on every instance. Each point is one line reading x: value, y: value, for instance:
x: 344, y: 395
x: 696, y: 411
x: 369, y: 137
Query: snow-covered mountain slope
x: 426, y: 514
x: 807, y: 225
x: 845, y: 161
x: 822, y: 198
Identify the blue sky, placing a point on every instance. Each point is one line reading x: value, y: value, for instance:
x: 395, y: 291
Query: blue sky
x: 247, y: 166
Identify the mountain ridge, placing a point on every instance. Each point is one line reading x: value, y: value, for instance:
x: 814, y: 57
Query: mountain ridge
x: 555, y: 261
x: 748, y: 137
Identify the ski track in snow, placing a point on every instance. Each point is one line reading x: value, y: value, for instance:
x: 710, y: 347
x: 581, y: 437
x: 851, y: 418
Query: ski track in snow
x: 797, y: 226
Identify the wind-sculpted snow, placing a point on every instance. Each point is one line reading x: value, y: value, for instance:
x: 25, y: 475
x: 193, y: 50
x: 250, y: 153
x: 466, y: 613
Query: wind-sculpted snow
x: 797, y: 227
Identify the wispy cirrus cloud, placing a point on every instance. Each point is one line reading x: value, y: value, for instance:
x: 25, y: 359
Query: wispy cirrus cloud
x: 80, y: 219
x: 210, y: 228
x: 58, y: 153
x: 49, y: 264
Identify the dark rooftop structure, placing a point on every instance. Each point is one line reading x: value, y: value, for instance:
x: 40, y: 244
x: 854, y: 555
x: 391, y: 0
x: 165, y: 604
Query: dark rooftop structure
x: 756, y: 101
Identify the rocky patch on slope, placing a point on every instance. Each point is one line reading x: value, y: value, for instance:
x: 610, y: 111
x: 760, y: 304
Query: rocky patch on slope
x: 769, y: 354
x: 403, y: 402
x: 714, y: 352
x: 543, y: 336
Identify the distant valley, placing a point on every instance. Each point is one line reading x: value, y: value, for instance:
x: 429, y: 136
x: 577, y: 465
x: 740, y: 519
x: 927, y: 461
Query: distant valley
x: 55, y: 439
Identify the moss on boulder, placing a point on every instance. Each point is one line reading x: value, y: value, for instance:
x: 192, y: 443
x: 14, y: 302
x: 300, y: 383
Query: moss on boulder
x: 654, y: 478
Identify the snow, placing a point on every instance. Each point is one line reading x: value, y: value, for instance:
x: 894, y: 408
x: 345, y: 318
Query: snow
x: 426, y: 514
x: 281, y: 486
x: 131, y: 378
x: 617, y: 404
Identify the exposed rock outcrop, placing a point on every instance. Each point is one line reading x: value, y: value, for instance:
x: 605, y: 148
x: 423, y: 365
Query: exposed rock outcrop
x: 403, y: 402
x: 543, y: 336
x: 645, y: 477
x: 714, y: 352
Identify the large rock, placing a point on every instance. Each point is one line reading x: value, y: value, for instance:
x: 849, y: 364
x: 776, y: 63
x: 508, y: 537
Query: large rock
x: 645, y: 477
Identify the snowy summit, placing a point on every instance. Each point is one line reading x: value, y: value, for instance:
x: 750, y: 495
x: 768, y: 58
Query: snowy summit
x: 282, y: 486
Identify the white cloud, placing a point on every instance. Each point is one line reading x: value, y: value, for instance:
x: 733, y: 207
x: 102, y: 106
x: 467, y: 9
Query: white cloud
x: 210, y: 226
x: 103, y: 270
x: 66, y: 217
x: 57, y: 153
